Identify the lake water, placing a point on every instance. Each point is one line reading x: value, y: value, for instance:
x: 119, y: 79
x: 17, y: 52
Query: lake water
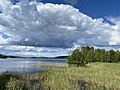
x: 27, y: 65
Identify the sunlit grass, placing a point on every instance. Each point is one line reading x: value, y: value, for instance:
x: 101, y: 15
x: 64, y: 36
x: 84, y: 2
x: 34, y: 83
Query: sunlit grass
x: 95, y: 76
x: 100, y: 74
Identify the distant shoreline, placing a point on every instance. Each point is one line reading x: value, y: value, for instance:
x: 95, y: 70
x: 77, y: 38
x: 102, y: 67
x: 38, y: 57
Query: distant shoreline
x: 9, y: 56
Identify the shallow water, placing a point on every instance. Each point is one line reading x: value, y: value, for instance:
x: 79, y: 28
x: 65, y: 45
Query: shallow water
x: 27, y: 65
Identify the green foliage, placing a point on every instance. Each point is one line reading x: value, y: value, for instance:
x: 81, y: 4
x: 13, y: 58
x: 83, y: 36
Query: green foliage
x: 77, y: 58
x: 5, y: 78
x: 89, y: 54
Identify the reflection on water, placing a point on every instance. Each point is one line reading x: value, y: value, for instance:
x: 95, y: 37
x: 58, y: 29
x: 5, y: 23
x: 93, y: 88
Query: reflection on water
x: 25, y: 65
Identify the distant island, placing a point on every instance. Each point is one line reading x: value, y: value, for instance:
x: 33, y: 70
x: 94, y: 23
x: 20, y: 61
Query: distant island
x: 7, y: 56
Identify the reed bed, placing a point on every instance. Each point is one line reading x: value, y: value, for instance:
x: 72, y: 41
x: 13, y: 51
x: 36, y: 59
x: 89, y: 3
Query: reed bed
x: 95, y: 76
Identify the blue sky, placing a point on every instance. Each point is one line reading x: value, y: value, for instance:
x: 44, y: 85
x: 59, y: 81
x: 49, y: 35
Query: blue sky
x: 100, y: 8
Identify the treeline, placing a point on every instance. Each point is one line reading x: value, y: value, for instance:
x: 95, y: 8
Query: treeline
x: 3, y: 56
x: 90, y: 54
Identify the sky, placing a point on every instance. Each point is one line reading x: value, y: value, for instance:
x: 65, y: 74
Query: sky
x: 93, y: 8
x: 55, y: 27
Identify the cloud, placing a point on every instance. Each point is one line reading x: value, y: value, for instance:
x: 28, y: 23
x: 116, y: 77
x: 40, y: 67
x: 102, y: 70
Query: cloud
x: 51, y: 25
x: 32, y: 51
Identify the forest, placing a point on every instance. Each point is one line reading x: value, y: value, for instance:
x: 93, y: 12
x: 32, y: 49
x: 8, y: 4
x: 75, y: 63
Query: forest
x: 88, y: 54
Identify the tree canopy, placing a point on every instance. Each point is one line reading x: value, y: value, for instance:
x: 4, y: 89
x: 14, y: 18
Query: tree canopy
x: 87, y: 54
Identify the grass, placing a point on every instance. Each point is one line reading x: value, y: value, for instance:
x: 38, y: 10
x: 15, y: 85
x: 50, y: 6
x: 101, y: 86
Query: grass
x: 105, y: 75
x: 95, y: 76
x: 4, y: 79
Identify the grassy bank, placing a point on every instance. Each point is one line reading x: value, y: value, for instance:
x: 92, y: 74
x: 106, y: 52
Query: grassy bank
x: 96, y: 76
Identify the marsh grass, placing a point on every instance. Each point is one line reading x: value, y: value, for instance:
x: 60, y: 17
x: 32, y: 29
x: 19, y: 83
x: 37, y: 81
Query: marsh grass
x: 4, y: 79
x: 95, y: 76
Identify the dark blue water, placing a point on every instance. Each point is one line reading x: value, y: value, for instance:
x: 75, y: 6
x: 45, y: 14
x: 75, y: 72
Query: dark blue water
x: 25, y: 65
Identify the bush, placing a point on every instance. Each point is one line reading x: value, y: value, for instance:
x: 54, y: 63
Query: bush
x: 77, y: 58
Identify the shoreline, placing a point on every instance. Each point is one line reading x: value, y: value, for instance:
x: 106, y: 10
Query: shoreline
x: 94, y: 76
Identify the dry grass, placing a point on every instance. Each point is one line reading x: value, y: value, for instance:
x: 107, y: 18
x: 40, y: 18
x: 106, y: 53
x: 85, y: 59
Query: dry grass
x: 96, y: 76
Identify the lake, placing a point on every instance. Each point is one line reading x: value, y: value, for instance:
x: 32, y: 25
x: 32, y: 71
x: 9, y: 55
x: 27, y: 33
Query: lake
x: 28, y: 65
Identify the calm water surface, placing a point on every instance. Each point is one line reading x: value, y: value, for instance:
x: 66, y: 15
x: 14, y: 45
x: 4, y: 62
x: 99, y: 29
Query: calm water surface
x: 25, y: 65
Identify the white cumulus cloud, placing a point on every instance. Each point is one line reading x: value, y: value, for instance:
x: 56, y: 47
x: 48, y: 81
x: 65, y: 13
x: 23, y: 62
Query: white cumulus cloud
x: 52, y: 25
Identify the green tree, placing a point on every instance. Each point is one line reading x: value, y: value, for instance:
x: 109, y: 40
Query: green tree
x: 112, y: 56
